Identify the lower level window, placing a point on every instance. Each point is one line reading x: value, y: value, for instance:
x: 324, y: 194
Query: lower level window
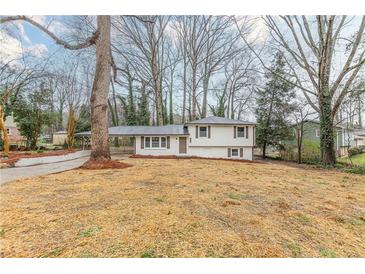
x: 234, y: 152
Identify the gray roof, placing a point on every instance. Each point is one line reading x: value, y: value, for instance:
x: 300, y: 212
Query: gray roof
x: 214, y: 120
x: 143, y: 130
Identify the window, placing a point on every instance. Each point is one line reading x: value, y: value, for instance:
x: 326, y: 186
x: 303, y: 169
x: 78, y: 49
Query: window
x: 234, y: 152
x: 317, y: 132
x: 147, y: 142
x: 203, y: 131
x: 163, y: 141
x: 241, y: 132
x: 155, y: 142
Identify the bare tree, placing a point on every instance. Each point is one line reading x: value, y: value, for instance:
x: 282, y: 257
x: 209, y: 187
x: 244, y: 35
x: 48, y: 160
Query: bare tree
x: 13, y: 79
x: 300, y: 114
x: 101, y: 39
x: 143, y: 47
x: 311, y: 46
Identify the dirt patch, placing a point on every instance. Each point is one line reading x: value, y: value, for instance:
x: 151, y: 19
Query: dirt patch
x: 190, y: 208
x: 91, y: 164
x: 17, y: 155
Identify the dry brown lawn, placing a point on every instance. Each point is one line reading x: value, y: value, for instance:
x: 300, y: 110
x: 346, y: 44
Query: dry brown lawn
x: 185, y: 208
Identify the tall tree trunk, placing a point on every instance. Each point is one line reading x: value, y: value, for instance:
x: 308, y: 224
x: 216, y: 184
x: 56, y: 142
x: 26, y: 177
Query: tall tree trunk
x: 264, y: 150
x: 71, y: 125
x: 327, y: 142
x: 205, y: 96
x: 171, y: 113
x: 99, y: 96
x: 185, y: 90
x: 5, y: 132
x: 359, y: 113
x: 193, y: 95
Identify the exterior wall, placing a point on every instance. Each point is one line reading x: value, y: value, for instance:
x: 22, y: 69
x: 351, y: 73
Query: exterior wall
x: 14, y: 136
x: 173, y: 150
x: 221, y: 135
x: 219, y: 152
x: 59, y: 139
x: 222, y: 138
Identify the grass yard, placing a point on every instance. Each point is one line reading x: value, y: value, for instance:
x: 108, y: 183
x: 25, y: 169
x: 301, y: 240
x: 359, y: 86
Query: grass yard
x: 185, y: 208
x: 358, y: 159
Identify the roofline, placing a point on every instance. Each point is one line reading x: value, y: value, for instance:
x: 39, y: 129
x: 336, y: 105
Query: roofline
x: 132, y: 135
x: 228, y: 124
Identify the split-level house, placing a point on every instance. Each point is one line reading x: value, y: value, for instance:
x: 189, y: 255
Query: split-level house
x: 211, y: 137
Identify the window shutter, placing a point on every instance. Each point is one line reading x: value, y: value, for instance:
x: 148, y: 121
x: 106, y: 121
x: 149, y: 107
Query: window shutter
x: 142, y: 142
x: 229, y: 152
x: 241, y: 152
x: 234, y: 132
x: 208, y: 131
x: 168, y: 142
x: 196, y: 132
x: 246, y: 132
x: 254, y: 136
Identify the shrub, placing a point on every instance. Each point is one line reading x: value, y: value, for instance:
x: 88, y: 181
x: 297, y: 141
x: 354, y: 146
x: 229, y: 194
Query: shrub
x: 354, y: 151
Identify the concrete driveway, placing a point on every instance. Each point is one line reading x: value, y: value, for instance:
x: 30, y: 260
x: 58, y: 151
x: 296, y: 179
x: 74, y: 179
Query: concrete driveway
x: 15, y: 173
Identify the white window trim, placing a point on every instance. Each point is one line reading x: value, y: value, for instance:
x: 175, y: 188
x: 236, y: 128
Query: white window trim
x: 159, y: 142
x: 205, y: 131
x: 244, y: 132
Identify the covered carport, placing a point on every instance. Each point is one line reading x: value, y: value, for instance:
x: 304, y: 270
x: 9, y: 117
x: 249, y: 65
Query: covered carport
x: 123, y: 138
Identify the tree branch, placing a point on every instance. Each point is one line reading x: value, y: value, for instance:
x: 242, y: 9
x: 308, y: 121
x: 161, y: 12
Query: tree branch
x: 87, y: 43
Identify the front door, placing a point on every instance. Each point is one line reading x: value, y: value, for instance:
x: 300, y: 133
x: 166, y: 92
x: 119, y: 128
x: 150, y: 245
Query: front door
x: 182, y: 145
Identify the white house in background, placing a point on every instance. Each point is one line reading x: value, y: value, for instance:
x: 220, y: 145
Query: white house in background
x: 211, y: 137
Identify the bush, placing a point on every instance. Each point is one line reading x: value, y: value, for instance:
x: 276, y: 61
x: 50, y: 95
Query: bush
x: 310, y: 154
x: 354, y: 169
x: 354, y: 151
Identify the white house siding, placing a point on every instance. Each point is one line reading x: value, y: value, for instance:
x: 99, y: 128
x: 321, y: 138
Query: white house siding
x: 173, y: 150
x: 219, y: 152
x: 221, y: 138
x: 221, y: 135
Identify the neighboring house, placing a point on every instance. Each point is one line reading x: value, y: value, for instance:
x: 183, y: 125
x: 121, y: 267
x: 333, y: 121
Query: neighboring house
x: 359, y: 138
x: 213, y: 137
x: 343, y: 137
x: 59, y: 138
x: 15, y: 138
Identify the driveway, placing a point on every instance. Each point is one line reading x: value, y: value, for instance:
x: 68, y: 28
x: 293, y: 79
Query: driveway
x: 15, y: 173
x: 11, y: 174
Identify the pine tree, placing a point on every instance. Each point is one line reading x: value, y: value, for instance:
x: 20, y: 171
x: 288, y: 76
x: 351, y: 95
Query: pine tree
x: 128, y: 105
x: 144, y: 114
x: 273, y: 107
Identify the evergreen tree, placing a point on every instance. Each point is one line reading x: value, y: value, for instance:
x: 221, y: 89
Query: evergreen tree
x: 84, y: 121
x: 32, y: 113
x: 273, y: 107
x: 165, y: 115
x: 221, y: 107
x: 129, y: 106
x: 144, y: 114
